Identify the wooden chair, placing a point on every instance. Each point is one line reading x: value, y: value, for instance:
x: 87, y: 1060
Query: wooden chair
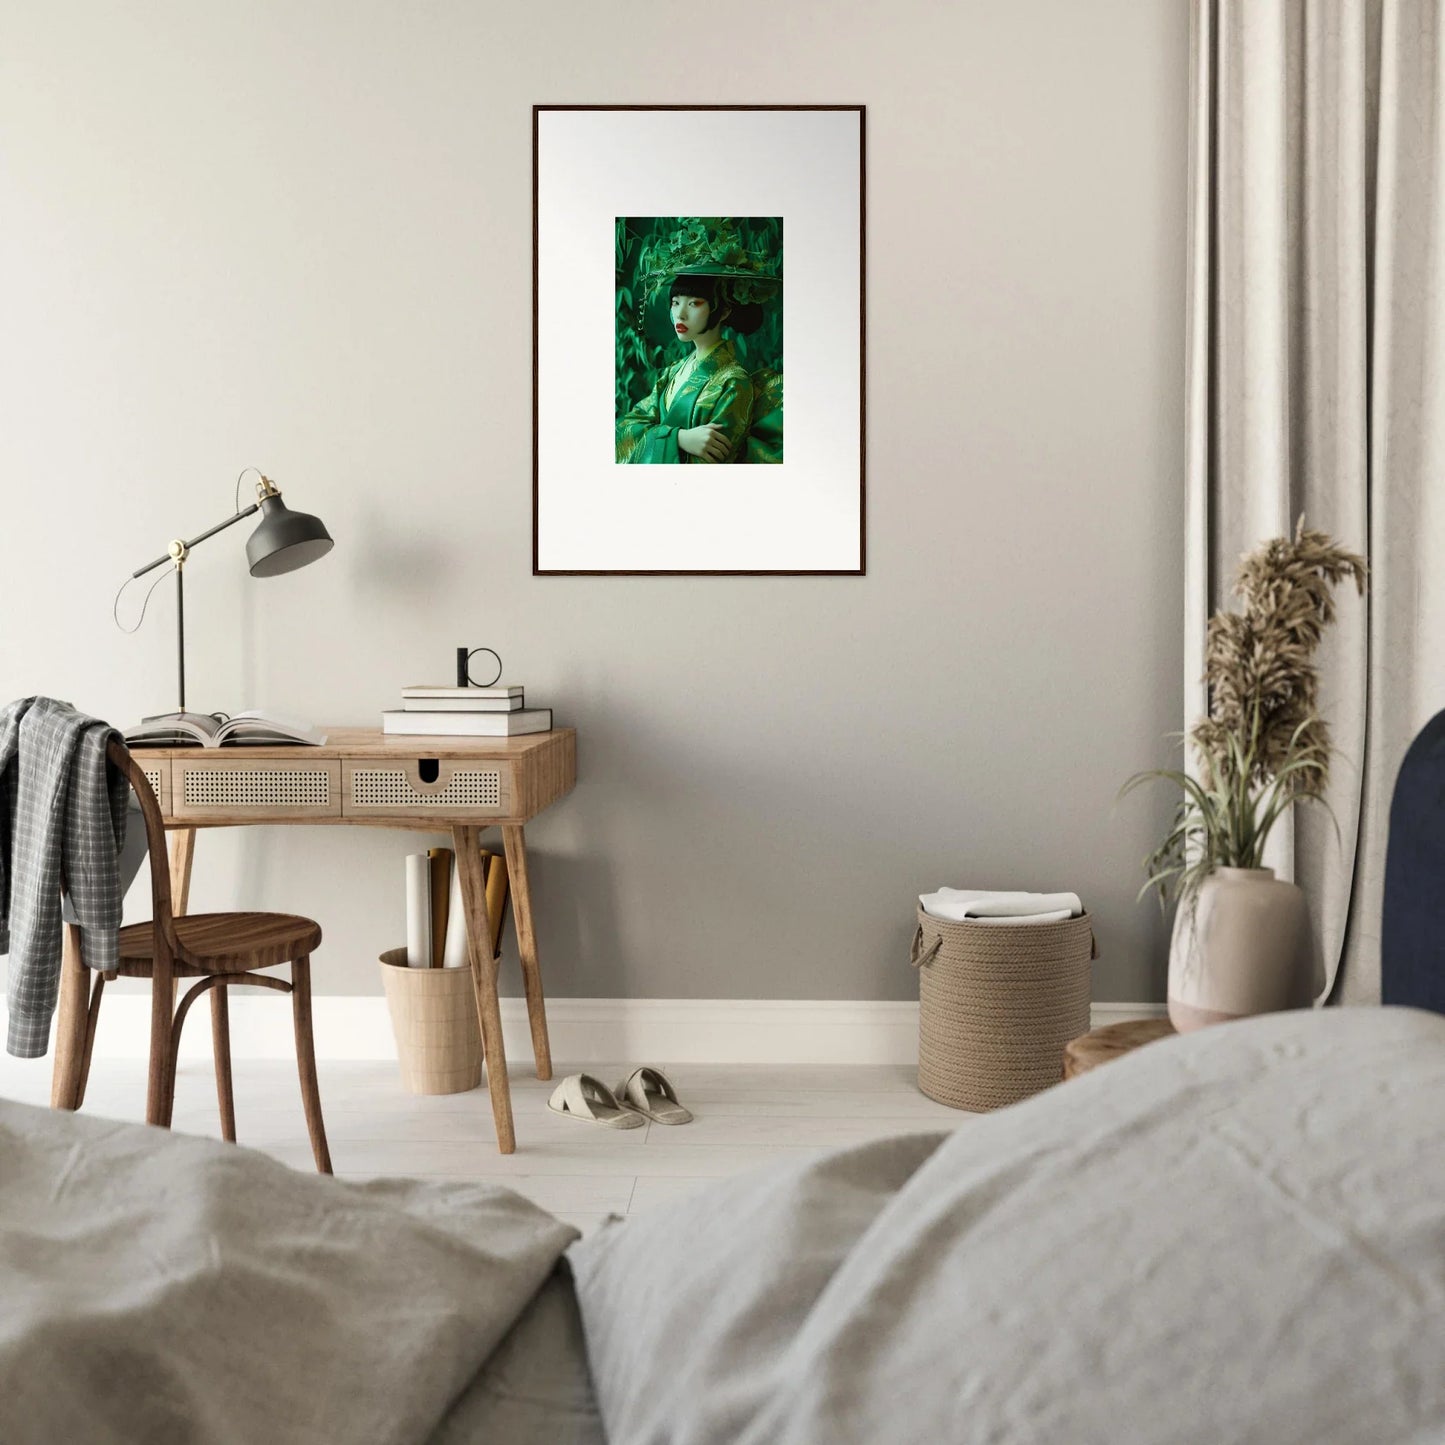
x: 218, y: 949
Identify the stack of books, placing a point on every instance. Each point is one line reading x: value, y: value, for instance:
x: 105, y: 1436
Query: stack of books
x: 469, y: 712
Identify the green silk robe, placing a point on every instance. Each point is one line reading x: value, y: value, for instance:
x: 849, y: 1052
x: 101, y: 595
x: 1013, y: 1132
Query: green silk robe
x: 720, y: 391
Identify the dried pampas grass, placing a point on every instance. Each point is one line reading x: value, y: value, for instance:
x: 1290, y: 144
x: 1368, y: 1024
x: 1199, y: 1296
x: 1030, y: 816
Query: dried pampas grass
x: 1259, y: 663
x: 1263, y: 746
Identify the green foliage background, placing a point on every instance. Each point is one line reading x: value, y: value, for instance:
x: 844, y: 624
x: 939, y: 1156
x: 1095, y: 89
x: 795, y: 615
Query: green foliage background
x: 646, y: 343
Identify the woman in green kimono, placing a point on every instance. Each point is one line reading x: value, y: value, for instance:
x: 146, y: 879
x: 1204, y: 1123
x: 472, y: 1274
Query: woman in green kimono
x: 706, y: 407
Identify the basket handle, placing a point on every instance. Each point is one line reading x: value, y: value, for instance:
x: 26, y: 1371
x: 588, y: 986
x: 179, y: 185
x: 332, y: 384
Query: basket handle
x: 920, y: 957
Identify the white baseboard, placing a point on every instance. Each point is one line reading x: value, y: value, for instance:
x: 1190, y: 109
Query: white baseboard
x: 582, y: 1030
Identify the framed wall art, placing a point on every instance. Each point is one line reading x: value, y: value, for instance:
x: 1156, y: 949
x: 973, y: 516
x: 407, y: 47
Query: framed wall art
x: 698, y: 340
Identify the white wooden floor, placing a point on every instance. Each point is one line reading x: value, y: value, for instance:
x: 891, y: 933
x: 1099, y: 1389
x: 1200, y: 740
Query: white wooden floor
x: 746, y: 1115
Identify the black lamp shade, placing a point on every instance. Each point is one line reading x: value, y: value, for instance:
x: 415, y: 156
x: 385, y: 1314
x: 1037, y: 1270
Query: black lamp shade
x: 285, y: 540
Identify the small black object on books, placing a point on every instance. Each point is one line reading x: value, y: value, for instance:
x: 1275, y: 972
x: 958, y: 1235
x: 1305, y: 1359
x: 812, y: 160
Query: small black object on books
x: 464, y: 667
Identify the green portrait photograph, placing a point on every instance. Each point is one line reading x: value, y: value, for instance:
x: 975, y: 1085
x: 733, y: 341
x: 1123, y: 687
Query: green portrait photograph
x: 699, y: 339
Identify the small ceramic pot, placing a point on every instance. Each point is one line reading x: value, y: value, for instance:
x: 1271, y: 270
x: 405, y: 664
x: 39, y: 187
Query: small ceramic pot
x: 1240, y: 946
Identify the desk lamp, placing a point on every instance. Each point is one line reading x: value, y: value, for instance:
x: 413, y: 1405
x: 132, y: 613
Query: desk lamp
x: 284, y: 541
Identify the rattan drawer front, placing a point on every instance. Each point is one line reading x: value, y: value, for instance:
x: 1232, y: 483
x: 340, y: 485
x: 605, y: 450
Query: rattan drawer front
x: 256, y: 789
x: 379, y: 788
x: 158, y: 774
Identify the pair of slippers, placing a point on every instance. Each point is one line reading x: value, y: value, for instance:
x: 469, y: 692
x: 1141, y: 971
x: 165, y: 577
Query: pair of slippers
x: 644, y: 1094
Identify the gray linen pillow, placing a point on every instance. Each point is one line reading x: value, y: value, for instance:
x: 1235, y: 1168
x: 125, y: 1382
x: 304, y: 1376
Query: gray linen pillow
x: 689, y: 1308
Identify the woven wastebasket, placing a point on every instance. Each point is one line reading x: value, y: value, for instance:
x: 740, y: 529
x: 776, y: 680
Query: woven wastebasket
x: 434, y: 1018
x: 996, y: 1005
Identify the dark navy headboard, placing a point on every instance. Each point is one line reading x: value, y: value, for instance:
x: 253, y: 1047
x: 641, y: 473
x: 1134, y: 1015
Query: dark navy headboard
x: 1412, y: 934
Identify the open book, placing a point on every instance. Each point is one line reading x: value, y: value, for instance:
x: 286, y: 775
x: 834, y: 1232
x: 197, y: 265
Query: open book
x: 217, y: 730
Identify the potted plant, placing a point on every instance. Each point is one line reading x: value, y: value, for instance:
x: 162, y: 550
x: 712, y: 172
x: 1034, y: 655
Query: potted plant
x: 1240, y: 943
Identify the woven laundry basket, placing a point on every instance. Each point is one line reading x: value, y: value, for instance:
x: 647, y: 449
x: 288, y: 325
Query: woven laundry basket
x: 997, y: 1004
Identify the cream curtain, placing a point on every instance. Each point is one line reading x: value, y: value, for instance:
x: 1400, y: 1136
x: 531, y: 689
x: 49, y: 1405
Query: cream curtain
x: 1316, y: 384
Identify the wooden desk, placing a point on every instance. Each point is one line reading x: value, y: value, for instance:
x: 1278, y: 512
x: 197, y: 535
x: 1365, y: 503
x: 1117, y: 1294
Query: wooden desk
x: 362, y: 778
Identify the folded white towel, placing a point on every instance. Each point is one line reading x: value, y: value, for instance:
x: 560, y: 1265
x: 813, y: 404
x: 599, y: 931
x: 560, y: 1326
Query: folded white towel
x: 983, y: 906
x: 1025, y: 918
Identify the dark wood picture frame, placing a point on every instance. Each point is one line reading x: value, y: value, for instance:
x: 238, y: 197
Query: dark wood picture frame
x: 861, y: 569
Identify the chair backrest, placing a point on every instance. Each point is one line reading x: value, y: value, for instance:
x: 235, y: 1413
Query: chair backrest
x: 162, y: 914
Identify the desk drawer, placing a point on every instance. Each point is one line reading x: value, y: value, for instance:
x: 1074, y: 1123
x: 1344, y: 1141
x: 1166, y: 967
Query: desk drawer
x: 258, y: 788
x: 421, y: 787
x: 158, y: 774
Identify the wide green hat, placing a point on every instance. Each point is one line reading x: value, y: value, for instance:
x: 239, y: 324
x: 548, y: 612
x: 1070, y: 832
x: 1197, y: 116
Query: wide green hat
x: 714, y: 247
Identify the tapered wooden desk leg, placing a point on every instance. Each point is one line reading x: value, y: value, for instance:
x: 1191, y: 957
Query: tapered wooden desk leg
x: 183, y: 850
x: 467, y: 842
x: 515, y: 844
x: 70, y: 1024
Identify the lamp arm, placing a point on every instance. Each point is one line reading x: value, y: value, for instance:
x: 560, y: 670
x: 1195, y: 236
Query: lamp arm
x: 186, y: 546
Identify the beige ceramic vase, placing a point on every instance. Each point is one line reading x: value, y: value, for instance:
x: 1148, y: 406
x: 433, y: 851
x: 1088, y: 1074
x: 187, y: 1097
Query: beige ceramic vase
x: 1240, y: 947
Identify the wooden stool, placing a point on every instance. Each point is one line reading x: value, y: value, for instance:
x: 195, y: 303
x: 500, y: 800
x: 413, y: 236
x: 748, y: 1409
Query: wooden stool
x: 1112, y: 1041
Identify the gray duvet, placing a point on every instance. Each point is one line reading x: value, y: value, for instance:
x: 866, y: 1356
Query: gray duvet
x: 162, y: 1289
x: 1234, y: 1236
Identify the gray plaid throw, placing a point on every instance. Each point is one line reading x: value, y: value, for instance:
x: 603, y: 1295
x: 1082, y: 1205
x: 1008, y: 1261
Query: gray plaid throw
x: 61, y: 806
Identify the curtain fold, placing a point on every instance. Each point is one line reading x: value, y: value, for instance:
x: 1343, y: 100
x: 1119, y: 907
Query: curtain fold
x: 1315, y: 359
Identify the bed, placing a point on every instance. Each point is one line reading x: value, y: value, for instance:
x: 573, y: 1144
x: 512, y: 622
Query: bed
x: 1236, y: 1235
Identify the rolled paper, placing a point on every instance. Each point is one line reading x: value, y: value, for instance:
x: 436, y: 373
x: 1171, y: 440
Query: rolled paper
x: 497, y: 884
x: 418, y: 911
x: 454, y: 952
x: 440, y: 862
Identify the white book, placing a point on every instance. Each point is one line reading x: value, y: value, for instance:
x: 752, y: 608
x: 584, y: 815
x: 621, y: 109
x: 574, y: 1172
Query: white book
x: 467, y: 724
x: 462, y: 704
x: 421, y: 689
x: 418, y: 911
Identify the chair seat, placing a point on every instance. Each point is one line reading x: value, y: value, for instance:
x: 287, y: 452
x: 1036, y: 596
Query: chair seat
x: 227, y: 942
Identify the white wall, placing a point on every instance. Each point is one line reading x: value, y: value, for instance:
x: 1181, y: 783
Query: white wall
x: 299, y: 235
